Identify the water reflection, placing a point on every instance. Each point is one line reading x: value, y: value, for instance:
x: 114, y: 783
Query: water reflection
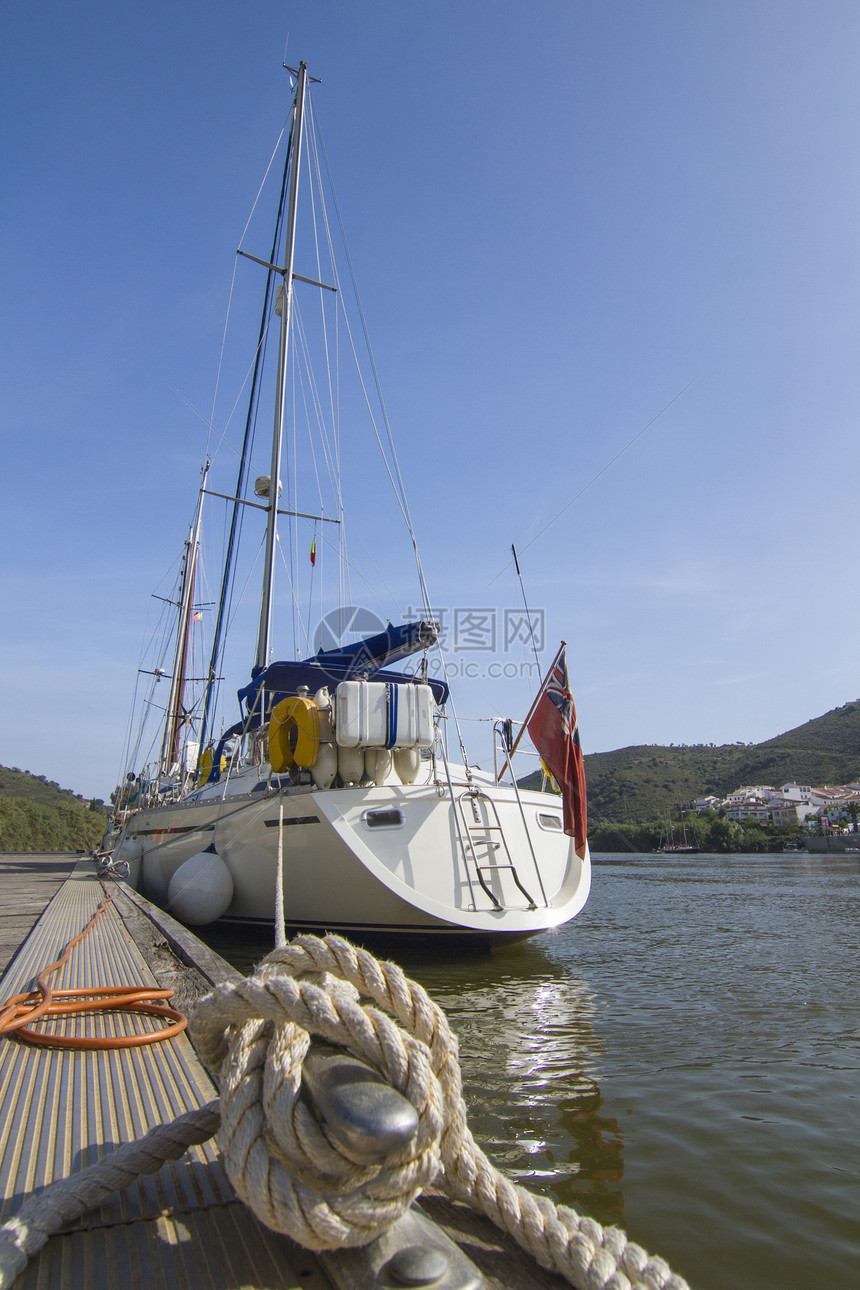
x: 531, y: 1060
x: 710, y: 1007
x: 530, y: 1057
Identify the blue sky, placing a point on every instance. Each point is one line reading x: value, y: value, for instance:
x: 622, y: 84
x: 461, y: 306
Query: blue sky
x: 564, y: 217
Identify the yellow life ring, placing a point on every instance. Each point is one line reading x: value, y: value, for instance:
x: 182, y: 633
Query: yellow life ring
x: 207, y: 759
x: 294, y: 734
x: 546, y: 770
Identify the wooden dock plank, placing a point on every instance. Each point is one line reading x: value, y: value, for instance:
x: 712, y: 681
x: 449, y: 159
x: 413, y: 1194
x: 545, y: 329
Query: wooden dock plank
x: 27, y: 883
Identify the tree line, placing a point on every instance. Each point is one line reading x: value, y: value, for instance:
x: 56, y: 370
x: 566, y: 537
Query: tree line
x: 710, y: 832
x: 33, y: 826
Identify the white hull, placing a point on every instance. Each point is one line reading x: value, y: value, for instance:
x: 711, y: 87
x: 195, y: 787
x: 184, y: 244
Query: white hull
x: 339, y: 874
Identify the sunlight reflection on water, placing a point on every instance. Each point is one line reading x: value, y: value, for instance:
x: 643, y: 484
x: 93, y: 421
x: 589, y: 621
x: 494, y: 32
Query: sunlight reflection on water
x: 682, y: 1059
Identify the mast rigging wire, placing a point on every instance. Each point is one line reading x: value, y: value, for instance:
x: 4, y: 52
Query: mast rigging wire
x: 399, y: 487
x: 250, y: 421
x: 528, y: 611
x: 232, y: 287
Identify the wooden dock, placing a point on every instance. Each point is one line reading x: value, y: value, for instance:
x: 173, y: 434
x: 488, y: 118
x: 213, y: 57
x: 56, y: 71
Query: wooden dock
x: 62, y: 1110
x: 28, y: 883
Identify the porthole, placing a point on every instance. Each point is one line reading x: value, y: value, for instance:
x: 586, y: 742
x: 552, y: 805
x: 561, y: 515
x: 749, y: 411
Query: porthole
x: 551, y: 822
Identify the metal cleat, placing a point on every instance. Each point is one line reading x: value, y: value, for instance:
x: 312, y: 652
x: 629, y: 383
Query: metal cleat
x: 414, y: 1253
x: 368, y: 1117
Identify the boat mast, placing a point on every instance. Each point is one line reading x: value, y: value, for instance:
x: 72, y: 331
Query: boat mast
x: 227, y: 572
x: 175, y: 710
x: 282, y: 306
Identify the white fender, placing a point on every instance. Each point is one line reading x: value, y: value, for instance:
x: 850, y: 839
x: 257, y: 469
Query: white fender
x: 350, y: 764
x: 200, y: 890
x: 324, y: 768
x: 322, y: 699
x: 378, y: 762
x: 406, y: 763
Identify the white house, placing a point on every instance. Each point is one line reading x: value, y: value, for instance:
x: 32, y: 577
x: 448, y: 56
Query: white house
x: 797, y: 792
x: 749, y: 793
x: 750, y: 809
x: 702, y: 804
x: 785, y: 813
x: 837, y: 808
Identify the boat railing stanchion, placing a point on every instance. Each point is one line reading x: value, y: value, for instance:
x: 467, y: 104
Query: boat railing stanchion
x: 456, y: 814
x: 510, y: 767
x: 501, y: 729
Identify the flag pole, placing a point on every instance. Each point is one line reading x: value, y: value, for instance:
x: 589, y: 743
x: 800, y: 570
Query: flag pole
x: 544, y: 684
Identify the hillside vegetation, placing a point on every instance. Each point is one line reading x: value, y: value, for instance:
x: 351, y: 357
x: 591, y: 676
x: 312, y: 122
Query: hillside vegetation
x: 633, y: 786
x: 647, y: 782
x: 37, y: 815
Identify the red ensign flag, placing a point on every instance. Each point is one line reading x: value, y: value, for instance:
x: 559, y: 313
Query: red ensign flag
x: 555, y: 734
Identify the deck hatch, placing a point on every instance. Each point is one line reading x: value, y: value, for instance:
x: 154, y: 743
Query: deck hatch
x: 387, y: 817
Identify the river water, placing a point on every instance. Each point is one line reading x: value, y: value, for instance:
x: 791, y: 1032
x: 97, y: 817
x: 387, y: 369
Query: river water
x: 682, y: 1060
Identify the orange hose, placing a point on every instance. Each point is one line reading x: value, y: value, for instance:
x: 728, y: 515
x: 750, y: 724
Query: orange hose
x: 19, y: 1012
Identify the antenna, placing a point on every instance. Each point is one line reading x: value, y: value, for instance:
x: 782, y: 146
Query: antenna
x: 526, y: 604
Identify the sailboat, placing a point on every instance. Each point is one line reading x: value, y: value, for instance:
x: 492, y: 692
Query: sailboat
x: 333, y: 802
x: 669, y: 847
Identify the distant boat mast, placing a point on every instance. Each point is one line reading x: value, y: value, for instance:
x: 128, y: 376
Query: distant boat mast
x: 176, y: 714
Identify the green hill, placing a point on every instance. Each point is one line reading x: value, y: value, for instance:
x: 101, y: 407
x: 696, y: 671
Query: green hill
x: 645, y: 782
x: 37, y: 815
x: 638, y: 784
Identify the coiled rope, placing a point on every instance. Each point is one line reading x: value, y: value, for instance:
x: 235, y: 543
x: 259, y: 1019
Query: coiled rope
x: 20, y: 1011
x: 286, y: 1167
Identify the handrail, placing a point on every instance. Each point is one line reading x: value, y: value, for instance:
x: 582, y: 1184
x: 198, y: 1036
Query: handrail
x: 497, y: 730
x: 456, y: 814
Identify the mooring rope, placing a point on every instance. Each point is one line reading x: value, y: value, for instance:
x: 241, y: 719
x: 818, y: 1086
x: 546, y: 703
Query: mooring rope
x: 20, y: 1011
x: 285, y: 1166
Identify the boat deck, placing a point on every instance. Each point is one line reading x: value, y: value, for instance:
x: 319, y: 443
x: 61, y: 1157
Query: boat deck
x: 61, y: 1110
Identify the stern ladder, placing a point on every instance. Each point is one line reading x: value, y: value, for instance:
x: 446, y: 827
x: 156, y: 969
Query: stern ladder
x: 483, y: 838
